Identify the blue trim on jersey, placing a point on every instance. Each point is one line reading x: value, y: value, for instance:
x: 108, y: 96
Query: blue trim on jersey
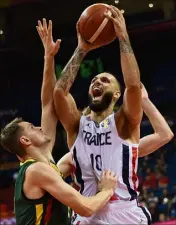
x: 78, y: 171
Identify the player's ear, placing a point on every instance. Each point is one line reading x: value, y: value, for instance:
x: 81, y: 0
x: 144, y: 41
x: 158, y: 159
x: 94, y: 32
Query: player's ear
x: 25, y: 141
x: 117, y: 95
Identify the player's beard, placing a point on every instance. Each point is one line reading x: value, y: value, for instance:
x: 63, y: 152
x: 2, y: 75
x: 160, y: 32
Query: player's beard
x: 103, y: 104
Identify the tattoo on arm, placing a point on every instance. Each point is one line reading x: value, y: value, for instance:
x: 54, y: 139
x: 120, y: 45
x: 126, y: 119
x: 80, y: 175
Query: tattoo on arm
x: 69, y: 73
x: 130, y: 67
x: 125, y: 46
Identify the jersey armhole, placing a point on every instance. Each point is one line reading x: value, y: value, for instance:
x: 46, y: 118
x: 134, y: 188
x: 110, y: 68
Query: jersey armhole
x: 119, y: 138
x: 79, y: 132
x: 36, y: 201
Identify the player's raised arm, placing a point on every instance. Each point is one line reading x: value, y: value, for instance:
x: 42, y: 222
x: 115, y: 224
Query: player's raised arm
x: 49, y: 118
x: 162, y: 132
x: 65, y: 105
x: 132, y: 107
x: 45, y: 177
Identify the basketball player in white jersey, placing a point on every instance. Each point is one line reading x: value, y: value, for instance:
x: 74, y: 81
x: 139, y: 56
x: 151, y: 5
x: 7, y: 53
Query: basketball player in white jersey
x: 148, y: 144
x: 104, y: 140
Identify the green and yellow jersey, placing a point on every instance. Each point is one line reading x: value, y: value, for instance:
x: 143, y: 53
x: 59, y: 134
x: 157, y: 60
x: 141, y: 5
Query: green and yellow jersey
x: 44, y: 211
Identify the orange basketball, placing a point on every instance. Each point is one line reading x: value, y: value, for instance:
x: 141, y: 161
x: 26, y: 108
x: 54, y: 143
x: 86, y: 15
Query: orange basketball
x: 95, y: 27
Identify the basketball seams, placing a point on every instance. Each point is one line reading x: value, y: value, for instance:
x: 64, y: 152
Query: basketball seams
x: 95, y: 27
x: 100, y: 29
x: 90, y: 18
x: 87, y: 21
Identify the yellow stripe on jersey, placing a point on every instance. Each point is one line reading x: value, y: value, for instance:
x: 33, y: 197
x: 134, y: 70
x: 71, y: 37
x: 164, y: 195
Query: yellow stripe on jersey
x: 69, y: 212
x: 39, y: 213
x: 28, y: 160
x: 56, y: 168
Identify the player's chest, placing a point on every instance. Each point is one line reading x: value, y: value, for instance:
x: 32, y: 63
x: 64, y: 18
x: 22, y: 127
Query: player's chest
x: 97, y: 135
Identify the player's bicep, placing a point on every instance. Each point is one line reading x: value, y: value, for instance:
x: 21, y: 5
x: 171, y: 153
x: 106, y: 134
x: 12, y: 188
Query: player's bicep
x: 66, y: 110
x: 132, y: 105
x: 49, y: 180
x: 65, y: 194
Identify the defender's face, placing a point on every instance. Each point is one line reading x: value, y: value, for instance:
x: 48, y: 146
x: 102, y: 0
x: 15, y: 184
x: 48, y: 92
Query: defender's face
x: 100, y: 85
x: 33, y: 135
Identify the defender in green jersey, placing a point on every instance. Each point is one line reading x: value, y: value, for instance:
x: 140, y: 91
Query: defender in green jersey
x: 45, y: 210
x: 40, y: 189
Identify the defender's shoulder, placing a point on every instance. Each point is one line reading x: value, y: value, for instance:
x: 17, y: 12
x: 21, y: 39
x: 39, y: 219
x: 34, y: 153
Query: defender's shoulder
x: 36, y: 168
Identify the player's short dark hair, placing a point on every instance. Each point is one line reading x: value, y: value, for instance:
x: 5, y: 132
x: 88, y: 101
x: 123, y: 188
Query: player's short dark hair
x: 117, y: 81
x: 10, y: 137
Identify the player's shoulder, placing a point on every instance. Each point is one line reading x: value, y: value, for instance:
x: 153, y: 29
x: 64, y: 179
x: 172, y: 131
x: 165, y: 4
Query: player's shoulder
x: 36, y: 169
x: 39, y: 173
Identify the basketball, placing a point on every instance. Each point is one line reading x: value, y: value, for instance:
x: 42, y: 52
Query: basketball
x: 94, y: 27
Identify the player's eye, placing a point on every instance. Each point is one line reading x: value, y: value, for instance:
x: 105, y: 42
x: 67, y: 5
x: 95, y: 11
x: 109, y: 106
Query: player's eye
x: 93, y: 80
x: 105, y: 80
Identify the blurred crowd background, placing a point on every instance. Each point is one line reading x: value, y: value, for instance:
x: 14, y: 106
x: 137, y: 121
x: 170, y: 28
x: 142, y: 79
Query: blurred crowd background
x: 152, y: 29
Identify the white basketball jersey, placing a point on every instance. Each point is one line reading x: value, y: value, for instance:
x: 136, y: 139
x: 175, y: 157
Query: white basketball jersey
x: 98, y: 147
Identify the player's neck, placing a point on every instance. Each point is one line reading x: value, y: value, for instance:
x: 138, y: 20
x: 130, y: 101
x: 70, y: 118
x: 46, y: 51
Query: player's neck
x: 38, y: 154
x: 100, y: 116
x: 35, y: 157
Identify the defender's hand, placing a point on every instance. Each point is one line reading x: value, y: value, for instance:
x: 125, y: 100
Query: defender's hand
x: 45, y: 33
x: 108, y: 181
x: 118, y: 21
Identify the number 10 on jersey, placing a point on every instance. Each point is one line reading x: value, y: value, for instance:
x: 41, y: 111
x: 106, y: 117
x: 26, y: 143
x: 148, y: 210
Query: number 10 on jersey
x: 96, y: 162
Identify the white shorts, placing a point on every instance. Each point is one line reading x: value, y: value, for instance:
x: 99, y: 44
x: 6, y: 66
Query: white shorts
x: 119, y: 212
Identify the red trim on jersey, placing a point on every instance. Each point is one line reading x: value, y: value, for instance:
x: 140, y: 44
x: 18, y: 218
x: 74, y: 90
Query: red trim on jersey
x: 48, y: 211
x: 73, y: 169
x: 134, y: 177
x: 139, y: 204
x: 78, y: 222
x: 75, y: 186
x: 114, y: 198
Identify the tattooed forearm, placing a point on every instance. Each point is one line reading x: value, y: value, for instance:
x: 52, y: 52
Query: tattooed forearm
x: 125, y: 46
x: 129, y: 64
x: 69, y: 73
